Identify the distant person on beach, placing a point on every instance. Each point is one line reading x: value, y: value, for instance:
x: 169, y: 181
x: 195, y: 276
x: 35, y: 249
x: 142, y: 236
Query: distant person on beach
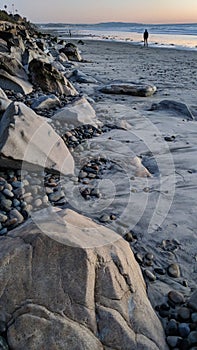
x: 145, y: 36
x: 69, y: 33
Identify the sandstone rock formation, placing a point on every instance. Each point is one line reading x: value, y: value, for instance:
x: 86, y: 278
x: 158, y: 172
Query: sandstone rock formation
x: 49, y: 79
x: 58, y: 296
x: 72, y: 52
x: 27, y: 140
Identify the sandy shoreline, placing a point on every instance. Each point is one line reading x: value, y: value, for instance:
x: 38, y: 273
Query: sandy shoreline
x: 172, y: 189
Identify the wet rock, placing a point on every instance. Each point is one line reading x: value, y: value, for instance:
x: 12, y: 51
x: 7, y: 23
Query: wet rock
x: 184, y: 329
x: 129, y: 89
x: 176, y: 297
x: 173, y: 270
x: 14, y: 213
x: 184, y: 313
x: 81, y: 77
x: 176, y: 106
x: 173, y: 341
x: 150, y: 275
x: 45, y: 102
x: 160, y: 271
x: 192, y: 338
x: 56, y: 195
x: 172, y: 327
x: 104, y: 218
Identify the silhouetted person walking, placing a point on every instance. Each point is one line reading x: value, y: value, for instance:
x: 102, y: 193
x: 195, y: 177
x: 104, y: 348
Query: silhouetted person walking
x: 145, y: 35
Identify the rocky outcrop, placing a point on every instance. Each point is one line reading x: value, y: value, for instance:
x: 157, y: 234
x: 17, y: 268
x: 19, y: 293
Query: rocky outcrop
x: 72, y: 52
x: 175, y: 106
x: 13, y: 75
x: 78, y: 113
x: 58, y: 293
x: 135, y: 89
x: 10, y: 82
x: 12, y: 66
x: 27, y: 140
x: 49, y: 79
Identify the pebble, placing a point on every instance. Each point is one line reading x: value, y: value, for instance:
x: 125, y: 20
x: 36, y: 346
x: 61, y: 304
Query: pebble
x: 150, y: 275
x: 37, y: 203
x: 6, y: 204
x: 17, y: 184
x: 3, y: 217
x: 194, y: 317
x: 129, y: 237
x: 104, y: 218
x: 56, y: 195
x: 176, y: 297
x: 11, y: 222
x: 173, y: 270
x: 8, y: 193
x: 184, y: 329
x: 173, y: 340
x: 14, y: 213
x: 192, y: 337
x: 95, y: 192
x: 160, y: 271
x: 172, y: 327
x: 184, y: 313
x: 139, y: 258
x: 3, y: 231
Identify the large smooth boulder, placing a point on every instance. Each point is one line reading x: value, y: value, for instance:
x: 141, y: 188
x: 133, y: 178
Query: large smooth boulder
x: 78, y: 113
x: 72, y: 52
x: 68, y: 283
x: 49, y: 79
x: 124, y: 88
x: 27, y: 140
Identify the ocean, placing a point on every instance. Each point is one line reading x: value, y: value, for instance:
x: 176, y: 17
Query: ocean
x: 179, y: 36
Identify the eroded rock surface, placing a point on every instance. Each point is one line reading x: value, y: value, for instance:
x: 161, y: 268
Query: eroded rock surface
x: 57, y: 295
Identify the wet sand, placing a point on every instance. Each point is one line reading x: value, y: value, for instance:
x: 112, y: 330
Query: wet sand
x: 161, y: 210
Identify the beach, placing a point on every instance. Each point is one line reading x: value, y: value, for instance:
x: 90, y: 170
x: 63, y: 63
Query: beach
x: 98, y: 148
x: 166, y: 142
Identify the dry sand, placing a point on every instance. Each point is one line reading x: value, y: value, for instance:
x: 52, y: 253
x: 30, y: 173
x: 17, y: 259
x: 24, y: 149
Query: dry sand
x: 160, y: 210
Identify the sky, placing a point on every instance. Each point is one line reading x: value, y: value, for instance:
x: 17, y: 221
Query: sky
x: 95, y: 11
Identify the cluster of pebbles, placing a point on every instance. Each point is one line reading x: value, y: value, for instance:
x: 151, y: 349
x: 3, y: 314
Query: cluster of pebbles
x: 22, y: 192
x: 36, y: 94
x: 75, y: 137
x: 180, y: 320
x: 178, y: 313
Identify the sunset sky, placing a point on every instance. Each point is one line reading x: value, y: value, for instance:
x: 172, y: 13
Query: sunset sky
x: 94, y: 11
